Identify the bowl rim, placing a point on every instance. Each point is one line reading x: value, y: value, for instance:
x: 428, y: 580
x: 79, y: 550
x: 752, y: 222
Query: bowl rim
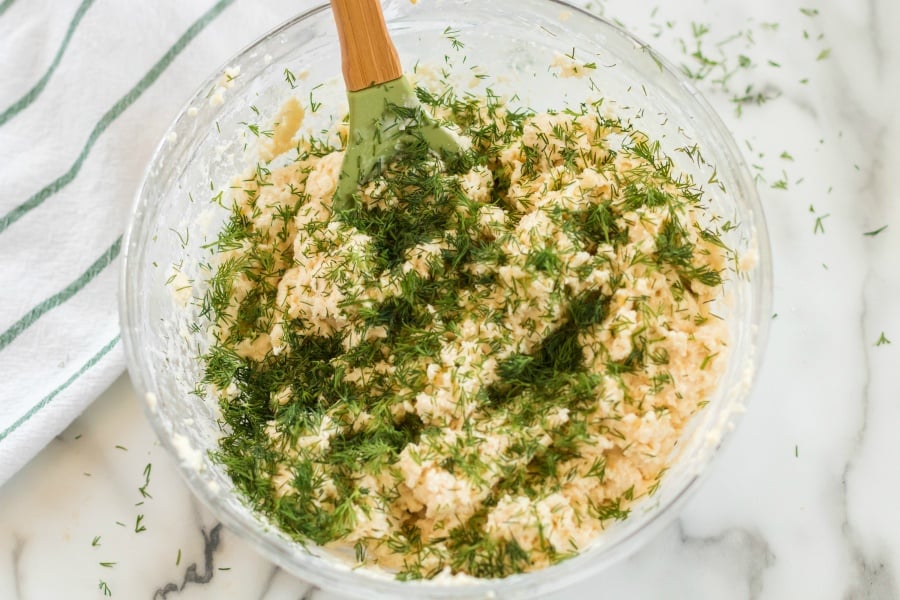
x: 328, y: 574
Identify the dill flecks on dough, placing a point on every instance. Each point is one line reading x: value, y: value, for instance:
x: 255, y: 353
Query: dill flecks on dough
x: 486, y: 360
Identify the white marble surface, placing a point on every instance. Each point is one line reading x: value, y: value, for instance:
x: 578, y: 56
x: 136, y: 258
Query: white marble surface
x: 801, y: 504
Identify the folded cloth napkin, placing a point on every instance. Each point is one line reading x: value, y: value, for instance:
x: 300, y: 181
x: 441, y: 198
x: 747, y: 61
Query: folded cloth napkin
x: 87, y: 88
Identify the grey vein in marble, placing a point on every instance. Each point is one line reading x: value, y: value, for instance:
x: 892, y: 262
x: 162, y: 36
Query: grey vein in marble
x: 18, y: 545
x: 875, y: 37
x: 210, y: 545
x: 874, y: 575
x: 308, y: 594
x: 268, y: 583
x: 759, y: 554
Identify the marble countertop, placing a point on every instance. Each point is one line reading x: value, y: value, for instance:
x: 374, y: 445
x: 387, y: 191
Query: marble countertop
x: 801, y: 503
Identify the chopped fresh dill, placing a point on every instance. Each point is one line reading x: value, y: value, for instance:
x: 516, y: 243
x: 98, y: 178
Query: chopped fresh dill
x: 478, y: 335
x: 290, y: 78
x: 143, y: 489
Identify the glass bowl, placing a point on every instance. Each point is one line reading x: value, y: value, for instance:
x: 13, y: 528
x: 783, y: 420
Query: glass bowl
x: 166, y: 260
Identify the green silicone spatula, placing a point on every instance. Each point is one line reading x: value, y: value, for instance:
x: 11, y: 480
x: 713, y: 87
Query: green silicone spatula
x: 376, y: 88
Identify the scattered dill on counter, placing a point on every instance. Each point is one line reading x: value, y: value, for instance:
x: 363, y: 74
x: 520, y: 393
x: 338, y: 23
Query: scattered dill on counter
x: 143, y: 489
x: 875, y: 232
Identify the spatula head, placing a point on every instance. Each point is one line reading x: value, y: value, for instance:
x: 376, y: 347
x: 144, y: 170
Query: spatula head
x: 383, y: 119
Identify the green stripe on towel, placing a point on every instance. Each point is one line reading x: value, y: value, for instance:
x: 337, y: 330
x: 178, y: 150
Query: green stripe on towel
x: 4, y: 5
x: 49, y: 397
x: 61, y: 297
x: 34, y: 92
x: 112, y: 114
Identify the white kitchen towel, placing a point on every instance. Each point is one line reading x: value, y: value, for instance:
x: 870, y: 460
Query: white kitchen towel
x: 87, y: 88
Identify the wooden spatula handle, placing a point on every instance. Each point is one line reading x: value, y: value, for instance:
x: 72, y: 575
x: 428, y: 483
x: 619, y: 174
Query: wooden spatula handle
x: 367, y: 53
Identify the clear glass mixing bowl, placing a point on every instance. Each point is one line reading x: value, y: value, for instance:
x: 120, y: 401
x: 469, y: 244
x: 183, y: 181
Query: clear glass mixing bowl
x: 166, y: 262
